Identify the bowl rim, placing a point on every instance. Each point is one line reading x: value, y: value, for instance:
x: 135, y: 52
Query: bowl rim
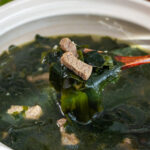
x: 136, y: 11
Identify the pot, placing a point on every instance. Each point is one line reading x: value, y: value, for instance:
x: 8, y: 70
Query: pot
x: 127, y: 20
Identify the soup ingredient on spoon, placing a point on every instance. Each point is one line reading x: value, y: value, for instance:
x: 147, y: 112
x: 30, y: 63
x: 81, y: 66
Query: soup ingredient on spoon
x: 77, y: 66
x: 68, y: 46
x: 80, y: 81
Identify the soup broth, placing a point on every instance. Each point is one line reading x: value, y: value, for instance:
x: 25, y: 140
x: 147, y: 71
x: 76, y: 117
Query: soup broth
x: 24, y: 81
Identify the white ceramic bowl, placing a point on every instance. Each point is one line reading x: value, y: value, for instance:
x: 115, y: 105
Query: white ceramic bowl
x: 20, y: 20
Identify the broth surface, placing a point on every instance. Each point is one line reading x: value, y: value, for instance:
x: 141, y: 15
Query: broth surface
x: 24, y: 81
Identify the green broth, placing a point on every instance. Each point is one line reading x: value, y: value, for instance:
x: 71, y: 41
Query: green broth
x: 131, y: 119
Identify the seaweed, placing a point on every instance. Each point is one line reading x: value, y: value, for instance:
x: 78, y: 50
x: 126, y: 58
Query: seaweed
x: 125, y: 111
x: 80, y: 99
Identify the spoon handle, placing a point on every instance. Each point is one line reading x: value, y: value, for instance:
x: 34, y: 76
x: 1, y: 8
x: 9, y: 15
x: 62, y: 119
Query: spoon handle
x: 129, y: 61
x: 132, y: 61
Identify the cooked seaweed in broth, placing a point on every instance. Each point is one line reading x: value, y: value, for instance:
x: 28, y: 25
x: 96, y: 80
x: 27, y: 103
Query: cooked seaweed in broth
x: 38, y: 123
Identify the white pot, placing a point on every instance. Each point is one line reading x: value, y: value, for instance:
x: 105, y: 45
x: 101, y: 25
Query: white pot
x: 20, y: 20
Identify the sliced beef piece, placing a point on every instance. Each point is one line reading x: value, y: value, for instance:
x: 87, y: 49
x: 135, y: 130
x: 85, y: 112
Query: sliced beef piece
x: 77, y: 66
x: 68, y: 46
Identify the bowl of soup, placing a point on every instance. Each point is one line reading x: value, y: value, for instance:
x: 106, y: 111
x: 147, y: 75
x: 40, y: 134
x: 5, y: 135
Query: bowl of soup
x: 31, y: 114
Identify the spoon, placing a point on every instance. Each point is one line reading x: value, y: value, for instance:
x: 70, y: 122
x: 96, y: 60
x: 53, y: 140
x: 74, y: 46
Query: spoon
x: 129, y: 61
